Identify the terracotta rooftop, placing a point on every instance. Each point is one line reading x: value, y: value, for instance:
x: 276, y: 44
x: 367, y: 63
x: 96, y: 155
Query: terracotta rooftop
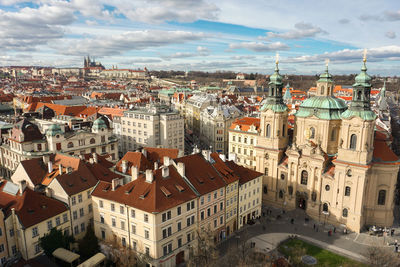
x: 155, y: 154
x: 245, y: 174
x: 136, y: 159
x: 227, y: 173
x: 383, y: 154
x: 245, y: 123
x: 32, y: 207
x: 160, y: 195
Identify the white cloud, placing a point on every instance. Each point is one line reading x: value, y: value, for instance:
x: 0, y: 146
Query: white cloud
x: 242, y: 57
x: 158, y: 11
x: 350, y: 55
x: 344, y: 21
x: 390, y: 34
x: 301, y: 30
x: 127, y: 41
x: 203, y: 49
x: 392, y: 15
x: 259, y: 46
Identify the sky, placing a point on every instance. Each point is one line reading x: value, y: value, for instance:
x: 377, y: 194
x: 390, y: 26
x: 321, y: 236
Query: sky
x: 242, y: 36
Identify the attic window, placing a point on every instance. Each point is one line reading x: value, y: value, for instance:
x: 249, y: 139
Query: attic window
x: 210, y: 176
x: 165, y: 191
x: 70, y: 184
x: 30, y: 211
x: 144, y: 195
x: 130, y: 190
x: 106, y: 188
x: 179, y: 187
x: 199, y: 180
x: 83, y: 179
x: 44, y: 206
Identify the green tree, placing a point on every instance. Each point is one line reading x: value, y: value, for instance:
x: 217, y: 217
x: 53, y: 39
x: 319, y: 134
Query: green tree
x: 89, y: 245
x: 55, y: 239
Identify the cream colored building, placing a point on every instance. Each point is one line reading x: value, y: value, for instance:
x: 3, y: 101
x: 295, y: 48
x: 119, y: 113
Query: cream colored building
x: 214, y: 125
x: 26, y: 141
x: 250, y: 198
x: 29, y: 216
x: 153, y: 126
x: 193, y: 107
x: 334, y: 168
x: 154, y: 214
x: 243, y: 135
x: 3, y: 238
x: 124, y: 74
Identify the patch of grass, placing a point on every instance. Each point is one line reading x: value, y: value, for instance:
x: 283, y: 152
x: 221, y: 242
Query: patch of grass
x: 295, y: 248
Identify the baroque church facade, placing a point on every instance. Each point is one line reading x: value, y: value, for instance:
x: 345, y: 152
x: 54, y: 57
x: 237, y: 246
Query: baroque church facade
x: 333, y: 166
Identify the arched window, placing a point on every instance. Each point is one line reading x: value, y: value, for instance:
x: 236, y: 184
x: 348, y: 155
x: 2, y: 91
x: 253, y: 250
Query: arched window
x: 265, y: 189
x: 381, y: 197
x: 92, y: 141
x: 345, y: 212
x: 347, y: 191
x: 333, y: 135
x: 304, y: 177
x: 282, y: 176
x: 353, y: 141
x: 312, y: 132
x: 280, y: 194
x: 272, y: 91
x: 325, y: 207
x: 70, y: 144
x: 359, y: 95
x: 322, y: 90
x: 283, y: 130
x: 268, y: 130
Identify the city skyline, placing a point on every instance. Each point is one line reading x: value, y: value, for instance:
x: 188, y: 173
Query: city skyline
x: 200, y: 35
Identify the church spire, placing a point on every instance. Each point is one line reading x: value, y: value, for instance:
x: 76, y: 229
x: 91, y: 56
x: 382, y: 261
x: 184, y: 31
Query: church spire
x: 360, y: 104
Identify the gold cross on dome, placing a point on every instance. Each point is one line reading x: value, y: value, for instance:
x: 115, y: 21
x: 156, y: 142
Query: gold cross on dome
x: 327, y: 62
x: 277, y: 58
x: 365, y: 55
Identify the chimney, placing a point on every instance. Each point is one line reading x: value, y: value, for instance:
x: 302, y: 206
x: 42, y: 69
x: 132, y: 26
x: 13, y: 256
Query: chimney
x: 167, y: 161
x: 181, y: 168
x: 144, y: 152
x: 49, y: 192
x: 114, y: 184
x: 155, y: 165
x: 135, y: 173
x: 50, y: 166
x: 81, y: 157
x: 95, y: 159
x: 149, y: 176
x: 22, y: 186
x: 69, y: 169
x: 196, y: 150
x: 60, y: 168
x: 124, y: 166
x: 223, y: 157
x: 165, y: 172
x: 181, y: 153
x: 206, y: 154
x: 46, y: 159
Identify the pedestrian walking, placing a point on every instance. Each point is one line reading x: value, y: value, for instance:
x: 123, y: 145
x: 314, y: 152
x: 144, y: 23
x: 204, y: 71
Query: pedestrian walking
x: 396, y: 248
x: 392, y: 232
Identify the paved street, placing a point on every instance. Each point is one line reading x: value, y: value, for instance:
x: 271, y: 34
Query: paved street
x: 269, y: 231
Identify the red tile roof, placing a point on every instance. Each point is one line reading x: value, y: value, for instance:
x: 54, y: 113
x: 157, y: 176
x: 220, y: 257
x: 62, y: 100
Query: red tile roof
x: 136, y: 159
x: 245, y: 123
x: 201, y: 173
x: 227, y: 173
x: 245, y: 174
x: 383, y: 154
x: 32, y: 207
x: 155, y: 154
x: 160, y: 195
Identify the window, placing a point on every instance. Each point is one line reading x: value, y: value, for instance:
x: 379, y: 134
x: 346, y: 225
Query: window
x: 90, y: 207
x: 133, y: 227
x: 268, y: 131
x: 49, y: 225
x: 266, y: 171
x: 1, y: 248
x: 81, y: 212
x: 103, y: 234
x: 280, y: 194
x: 192, y: 204
x: 381, y: 197
x: 345, y: 212
x: 215, y: 209
x: 312, y: 133
x: 146, y: 234
x: 113, y: 222
x: 123, y: 225
x: 80, y: 198
x: 101, y: 218
x: 65, y: 217
x: 283, y: 130
x: 221, y: 205
x: 189, y: 237
x: 76, y: 229
x: 147, y: 251
x: 123, y: 242
x: 92, y: 141
x: 35, y: 232
x: 166, y: 216
x: 112, y: 207
x: 333, y: 135
x: 327, y: 187
x: 88, y: 194
x: 101, y: 204
x: 73, y: 200
x: 209, y: 197
x: 325, y: 207
x: 221, y: 219
x: 215, y: 223
x: 121, y: 209
x: 133, y: 213
x: 347, y: 191
x: 70, y: 145
x: 208, y: 212
x: 304, y: 177
x: 37, y: 248
x: 353, y: 142
x: 179, y: 210
x: 179, y: 242
x: 282, y: 176
x: 14, y: 249
x: 146, y: 218
x: 83, y: 227
x: 202, y: 215
x: 202, y: 200
x: 58, y: 221
x: 167, y: 232
x: 179, y: 226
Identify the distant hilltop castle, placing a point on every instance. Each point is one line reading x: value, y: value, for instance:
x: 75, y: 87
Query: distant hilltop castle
x: 89, y: 63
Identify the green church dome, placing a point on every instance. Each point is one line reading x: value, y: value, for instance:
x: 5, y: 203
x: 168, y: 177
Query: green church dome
x: 53, y: 130
x: 323, y: 107
x: 99, y: 124
x: 363, y: 79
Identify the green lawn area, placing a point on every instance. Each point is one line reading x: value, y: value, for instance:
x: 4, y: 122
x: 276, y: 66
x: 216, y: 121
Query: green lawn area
x: 324, y: 257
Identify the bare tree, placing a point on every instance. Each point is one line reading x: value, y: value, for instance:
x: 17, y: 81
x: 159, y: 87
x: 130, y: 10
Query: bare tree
x: 380, y: 256
x: 204, y: 250
x: 124, y: 256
